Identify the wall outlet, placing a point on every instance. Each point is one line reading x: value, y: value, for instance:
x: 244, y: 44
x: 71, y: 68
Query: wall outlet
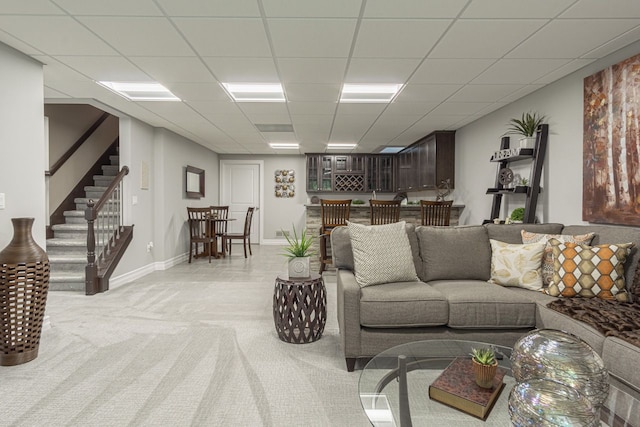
x: 149, y: 246
x: 1, y: 200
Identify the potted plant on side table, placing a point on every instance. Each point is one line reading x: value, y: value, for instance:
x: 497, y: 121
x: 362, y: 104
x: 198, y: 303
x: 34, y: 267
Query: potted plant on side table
x: 485, y: 366
x: 299, y: 253
x: 526, y: 126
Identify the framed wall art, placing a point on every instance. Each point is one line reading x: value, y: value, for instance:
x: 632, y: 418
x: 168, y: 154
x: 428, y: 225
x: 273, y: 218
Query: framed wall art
x: 611, y: 145
x: 285, y: 183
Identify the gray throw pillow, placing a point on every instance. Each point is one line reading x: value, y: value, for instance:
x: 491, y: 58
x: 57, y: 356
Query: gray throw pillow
x: 381, y: 253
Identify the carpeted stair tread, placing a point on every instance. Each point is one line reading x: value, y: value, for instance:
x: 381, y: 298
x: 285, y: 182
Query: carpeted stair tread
x: 70, y: 227
x: 68, y: 258
x: 58, y: 242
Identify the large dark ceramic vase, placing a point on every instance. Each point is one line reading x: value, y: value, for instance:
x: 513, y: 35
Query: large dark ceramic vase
x: 24, y: 283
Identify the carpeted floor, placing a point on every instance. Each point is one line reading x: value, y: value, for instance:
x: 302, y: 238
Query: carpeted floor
x: 192, y: 345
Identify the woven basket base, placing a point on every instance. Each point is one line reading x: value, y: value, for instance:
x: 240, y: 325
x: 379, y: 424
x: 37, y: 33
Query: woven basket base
x: 18, y: 358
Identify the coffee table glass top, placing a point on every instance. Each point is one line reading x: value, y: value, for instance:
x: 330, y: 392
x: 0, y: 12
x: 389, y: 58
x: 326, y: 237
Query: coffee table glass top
x: 380, y: 388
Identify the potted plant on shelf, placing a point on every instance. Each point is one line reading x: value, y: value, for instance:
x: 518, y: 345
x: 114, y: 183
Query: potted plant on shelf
x: 299, y: 252
x: 485, y: 366
x: 526, y: 126
x: 517, y: 215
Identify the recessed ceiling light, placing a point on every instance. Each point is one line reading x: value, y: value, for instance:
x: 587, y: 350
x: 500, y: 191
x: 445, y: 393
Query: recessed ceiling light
x: 369, y: 92
x: 284, y: 145
x: 260, y: 92
x: 141, y: 91
x: 391, y: 150
x: 341, y: 146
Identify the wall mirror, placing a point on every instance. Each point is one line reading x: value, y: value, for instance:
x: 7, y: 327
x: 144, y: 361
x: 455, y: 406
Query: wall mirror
x: 194, y: 182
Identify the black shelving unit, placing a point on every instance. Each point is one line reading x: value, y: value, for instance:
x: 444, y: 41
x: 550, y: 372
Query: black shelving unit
x: 506, y: 156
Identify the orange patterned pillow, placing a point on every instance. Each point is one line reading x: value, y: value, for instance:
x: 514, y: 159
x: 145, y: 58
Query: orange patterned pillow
x: 589, y: 271
x: 547, y: 258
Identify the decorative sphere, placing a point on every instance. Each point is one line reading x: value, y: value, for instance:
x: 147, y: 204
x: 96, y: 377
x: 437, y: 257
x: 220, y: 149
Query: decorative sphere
x: 564, y: 358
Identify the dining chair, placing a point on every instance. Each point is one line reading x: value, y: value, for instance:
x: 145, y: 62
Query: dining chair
x: 221, y: 212
x: 199, y: 230
x: 334, y: 213
x: 384, y: 211
x: 227, y: 238
x: 435, y: 213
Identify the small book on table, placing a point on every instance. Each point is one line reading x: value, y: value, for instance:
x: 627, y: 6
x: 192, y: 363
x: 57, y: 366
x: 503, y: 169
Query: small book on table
x: 456, y: 387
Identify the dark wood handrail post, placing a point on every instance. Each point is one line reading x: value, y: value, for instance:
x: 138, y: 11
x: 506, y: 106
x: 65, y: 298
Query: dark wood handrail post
x: 91, y: 270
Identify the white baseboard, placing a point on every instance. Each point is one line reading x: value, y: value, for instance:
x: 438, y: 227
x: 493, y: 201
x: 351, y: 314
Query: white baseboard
x: 122, y: 279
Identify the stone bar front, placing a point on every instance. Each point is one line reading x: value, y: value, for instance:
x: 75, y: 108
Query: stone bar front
x: 360, y: 214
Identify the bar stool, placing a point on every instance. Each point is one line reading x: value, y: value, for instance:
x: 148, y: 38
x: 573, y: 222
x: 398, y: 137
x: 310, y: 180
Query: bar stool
x: 334, y: 213
x: 384, y: 211
x: 435, y: 213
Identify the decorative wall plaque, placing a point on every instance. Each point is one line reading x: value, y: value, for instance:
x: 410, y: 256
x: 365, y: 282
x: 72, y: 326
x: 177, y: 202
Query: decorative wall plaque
x: 285, y: 182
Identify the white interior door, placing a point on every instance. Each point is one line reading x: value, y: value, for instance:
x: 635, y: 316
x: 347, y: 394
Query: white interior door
x: 240, y: 189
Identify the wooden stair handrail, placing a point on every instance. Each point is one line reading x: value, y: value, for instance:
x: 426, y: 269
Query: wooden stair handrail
x: 57, y: 165
x: 94, y: 207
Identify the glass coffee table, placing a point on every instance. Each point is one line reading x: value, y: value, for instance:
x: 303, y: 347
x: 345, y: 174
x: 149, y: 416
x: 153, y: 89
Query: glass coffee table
x: 394, y: 388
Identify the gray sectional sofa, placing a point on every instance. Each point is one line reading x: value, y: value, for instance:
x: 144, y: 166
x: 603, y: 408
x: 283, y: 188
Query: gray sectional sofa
x: 454, y: 300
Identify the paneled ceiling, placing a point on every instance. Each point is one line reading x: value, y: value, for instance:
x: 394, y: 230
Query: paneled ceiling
x: 459, y: 60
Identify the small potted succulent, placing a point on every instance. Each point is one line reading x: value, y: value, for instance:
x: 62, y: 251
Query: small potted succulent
x: 526, y: 126
x: 299, y: 252
x: 517, y: 215
x: 485, y: 366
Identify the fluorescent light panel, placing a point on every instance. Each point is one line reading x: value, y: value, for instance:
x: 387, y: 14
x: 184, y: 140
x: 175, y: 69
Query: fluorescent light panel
x: 391, y: 150
x: 141, y: 91
x: 369, y: 92
x: 341, y: 146
x: 284, y: 145
x: 255, y: 92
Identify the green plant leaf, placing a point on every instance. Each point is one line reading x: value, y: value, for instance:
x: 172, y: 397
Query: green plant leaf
x: 526, y: 125
x: 298, y: 246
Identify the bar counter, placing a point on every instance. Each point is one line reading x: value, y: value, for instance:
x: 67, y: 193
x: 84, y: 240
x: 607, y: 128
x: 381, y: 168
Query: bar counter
x: 360, y: 214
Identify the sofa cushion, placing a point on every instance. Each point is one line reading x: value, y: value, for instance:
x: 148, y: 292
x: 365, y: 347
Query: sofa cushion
x: 454, y: 253
x: 477, y: 304
x: 547, y: 258
x: 589, y: 271
x: 620, y: 357
x: 511, y: 233
x: 516, y: 265
x: 614, y: 234
x: 551, y: 319
x: 402, y: 304
x: 342, y: 252
x: 381, y: 253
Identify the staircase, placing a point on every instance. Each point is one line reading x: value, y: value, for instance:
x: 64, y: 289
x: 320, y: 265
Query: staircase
x: 67, y: 250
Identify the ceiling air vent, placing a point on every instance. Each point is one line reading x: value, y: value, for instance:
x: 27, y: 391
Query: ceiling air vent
x: 274, y: 127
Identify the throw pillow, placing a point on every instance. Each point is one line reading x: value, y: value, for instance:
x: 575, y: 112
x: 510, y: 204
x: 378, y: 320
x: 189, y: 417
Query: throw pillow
x: 547, y: 259
x: 381, y: 253
x: 516, y: 265
x: 589, y: 271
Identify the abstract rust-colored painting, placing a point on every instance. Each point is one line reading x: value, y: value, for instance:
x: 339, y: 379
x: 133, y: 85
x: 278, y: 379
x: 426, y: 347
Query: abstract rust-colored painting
x: 611, y: 152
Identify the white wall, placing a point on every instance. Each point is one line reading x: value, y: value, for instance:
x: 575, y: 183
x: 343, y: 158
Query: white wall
x: 22, y: 143
x: 561, y: 102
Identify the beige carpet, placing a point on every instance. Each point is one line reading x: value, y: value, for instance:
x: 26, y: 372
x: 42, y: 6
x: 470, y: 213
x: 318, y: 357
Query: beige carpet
x: 193, y: 345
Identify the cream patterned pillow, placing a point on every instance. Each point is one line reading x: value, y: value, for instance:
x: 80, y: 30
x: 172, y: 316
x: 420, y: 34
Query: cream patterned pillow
x: 381, y: 253
x: 547, y: 259
x: 516, y: 265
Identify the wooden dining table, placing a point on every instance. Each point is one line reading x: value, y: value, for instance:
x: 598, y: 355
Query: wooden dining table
x: 213, y: 224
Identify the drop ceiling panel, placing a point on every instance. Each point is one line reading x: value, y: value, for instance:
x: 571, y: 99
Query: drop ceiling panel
x: 603, y: 9
x: 323, y: 108
x: 484, y: 38
x: 211, y: 8
x: 111, y: 7
x: 139, y: 36
x: 257, y: 108
x: 282, y: 118
x: 483, y: 93
x: 371, y: 70
x: 413, y: 8
x: 569, y: 68
x: 174, y: 111
x: 398, y: 38
x: 370, y: 109
x: 526, y: 90
x: 436, y: 71
x: 522, y: 9
x: 55, y: 35
x: 53, y: 94
x: 55, y: 71
x: 110, y: 68
x: 243, y: 70
x: 350, y: 128
x: 615, y: 44
x: 392, y: 125
x: 241, y: 37
x: 32, y: 7
x: 312, y: 70
x: 426, y: 93
x: 330, y: 38
x: 409, y: 108
x: 523, y: 71
x: 312, y: 9
x: 552, y: 40
x: 458, y: 108
x: 174, y: 69
x: 213, y: 108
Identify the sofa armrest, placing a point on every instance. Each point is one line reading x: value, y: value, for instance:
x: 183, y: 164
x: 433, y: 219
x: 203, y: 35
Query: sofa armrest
x: 348, y: 302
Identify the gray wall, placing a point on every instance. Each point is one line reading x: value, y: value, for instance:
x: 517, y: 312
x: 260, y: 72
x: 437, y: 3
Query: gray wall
x: 561, y: 102
x: 22, y: 143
